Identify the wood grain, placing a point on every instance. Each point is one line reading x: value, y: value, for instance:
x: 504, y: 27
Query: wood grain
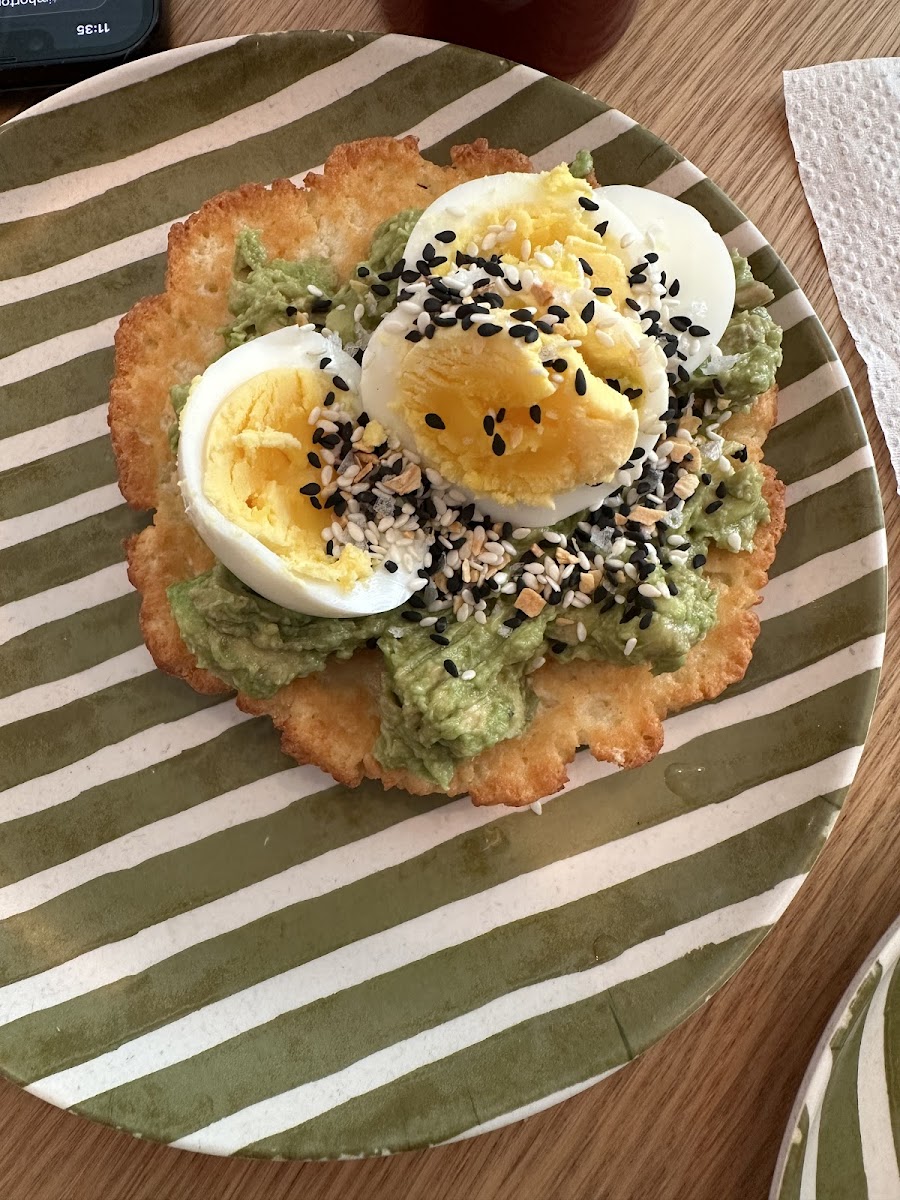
x: 702, y: 1114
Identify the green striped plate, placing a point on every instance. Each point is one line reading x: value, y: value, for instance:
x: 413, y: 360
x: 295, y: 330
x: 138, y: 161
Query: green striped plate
x: 201, y: 941
x: 843, y: 1136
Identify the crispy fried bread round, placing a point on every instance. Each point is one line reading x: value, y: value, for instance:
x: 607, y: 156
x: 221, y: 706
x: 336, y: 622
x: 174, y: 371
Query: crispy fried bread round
x: 616, y: 711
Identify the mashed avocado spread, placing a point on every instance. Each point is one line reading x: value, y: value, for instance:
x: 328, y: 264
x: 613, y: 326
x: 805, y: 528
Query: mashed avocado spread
x: 432, y: 716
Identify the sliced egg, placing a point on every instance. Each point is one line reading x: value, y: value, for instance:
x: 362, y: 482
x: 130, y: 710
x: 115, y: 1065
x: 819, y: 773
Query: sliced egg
x: 245, y: 436
x: 529, y: 428
x: 692, y: 253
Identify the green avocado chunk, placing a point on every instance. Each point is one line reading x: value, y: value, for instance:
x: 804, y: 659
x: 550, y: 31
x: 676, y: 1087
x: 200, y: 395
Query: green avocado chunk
x: 388, y: 244
x: 263, y: 289
x: 738, y: 508
x: 254, y: 645
x: 679, y: 621
x: 750, y: 346
x: 582, y: 164
x: 432, y: 718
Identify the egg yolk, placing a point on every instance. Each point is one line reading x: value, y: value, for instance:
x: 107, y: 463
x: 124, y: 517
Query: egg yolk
x: 551, y: 234
x: 516, y: 421
x: 255, y: 463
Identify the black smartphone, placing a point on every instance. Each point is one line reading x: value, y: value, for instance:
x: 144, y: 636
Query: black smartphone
x: 47, y: 42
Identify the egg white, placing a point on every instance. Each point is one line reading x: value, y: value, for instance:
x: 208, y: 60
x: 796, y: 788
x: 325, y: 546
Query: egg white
x: 691, y: 251
x: 244, y: 555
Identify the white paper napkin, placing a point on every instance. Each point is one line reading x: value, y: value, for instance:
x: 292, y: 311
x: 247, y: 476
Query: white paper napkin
x: 844, y: 120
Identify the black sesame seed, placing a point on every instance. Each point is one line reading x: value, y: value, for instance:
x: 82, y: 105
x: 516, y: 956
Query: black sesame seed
x: 413, y: 336
x: 498, y: 445
x: 580, y: 383
x: 544, y: 326
x: 315, y: 502
x: 558, y: 311
x: 409, y: 277
x: 674, y: 287
x: 706, y: 478
x: 290, y: 311
x: 340, y: 384
x: 558, y: 647
x: 313, y: 459
x: 698, y: 561
x: 680, y: 323
x: 381, y: 289
x: 488, y: 425
x: 645, y: 620
x: 535, y: 413
x: 310, y: 489
x: 559, y: 365
x: 722, y: 490
x: 518, y: 331
x: 602, y: 291
x: 683, y: 373
x: 487, y: 329
x: 531, y: 335
x: 329, y: 546
x: 501, y: 415
x: 440, y: 639
x: 714, y: 507
x: 444, y: 322
x: 496, y: 270
x: 521, y: 314
x: 586, y: 202
x: 633, y: 279
x: 632, y: 303
x: 411, y: 615
x: 446, y: 236
x: 601, y: 228
x: 586, y: 266
x: 451, y: 668
x: 429, y: 331
x: 362, y: 272
x: 587, y: 313
x: 698, y: 331
x: 741, y: 454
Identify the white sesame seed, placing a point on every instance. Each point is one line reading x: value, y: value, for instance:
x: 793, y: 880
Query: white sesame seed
x: 525, y: 249
x: 627, y: 239
x: 581, y: 631
x: 629, y: 646
x: 313, y: 290
x: 649, y: 589
x: 462, y: 613
x: 314, y: 415
x: 521, y: 532
x: 543, y: 259
x: 604, y: 338
x: 526, y: 277
x: 467, y: 675
x: 734, y: 540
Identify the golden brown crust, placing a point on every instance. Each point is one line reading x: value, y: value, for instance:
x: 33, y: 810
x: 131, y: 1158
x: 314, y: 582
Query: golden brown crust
x: 616, y: 711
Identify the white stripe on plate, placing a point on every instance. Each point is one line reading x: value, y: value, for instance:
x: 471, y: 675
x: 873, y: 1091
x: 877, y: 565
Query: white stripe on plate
x: 301, y: 99
x: 529, y: 1110
x: 812, y: 389
x: 745, y: 238
x: 58, y: 350
x: 241, y: 805
x: 44, y: 440
x: 119, y: 77
x: 107, y: 963
x: 808, y: 1183
x: 791, y: 309
x: 15, y: 530
x: 823, y: 575
x: 536, y: 892
x: 21, y: 616
x: 47, y: 696
x: 279, y: 1113
x: 600, y: 130
x: 473, y: 105
x: 859, y: 460
x: 119, y: 760
x: 876, y: 1133
x: 677, y: 179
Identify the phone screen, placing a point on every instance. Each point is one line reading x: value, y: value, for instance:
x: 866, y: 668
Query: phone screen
x: 36, y: 32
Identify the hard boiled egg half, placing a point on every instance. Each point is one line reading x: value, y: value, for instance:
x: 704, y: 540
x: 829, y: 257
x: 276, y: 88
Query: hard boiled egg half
x: 540, y: 396
x: 245, y: 437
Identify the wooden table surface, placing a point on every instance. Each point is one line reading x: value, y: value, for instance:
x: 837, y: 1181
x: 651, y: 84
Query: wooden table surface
x: 701, y: 1115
